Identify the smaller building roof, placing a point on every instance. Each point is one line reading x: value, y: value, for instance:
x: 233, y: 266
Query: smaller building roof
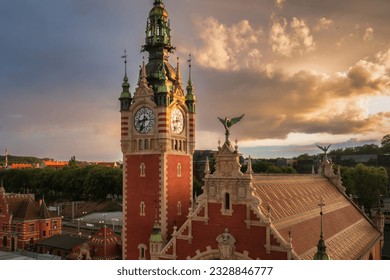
x: 55, y: 164
x: 63, y: 241
x: 23, y: 207
x: 21, y: 165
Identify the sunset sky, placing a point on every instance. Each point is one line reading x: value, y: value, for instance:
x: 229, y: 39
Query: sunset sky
x: 303, y: 72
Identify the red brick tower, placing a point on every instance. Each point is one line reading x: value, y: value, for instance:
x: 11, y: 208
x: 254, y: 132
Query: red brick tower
x: 157, y: 140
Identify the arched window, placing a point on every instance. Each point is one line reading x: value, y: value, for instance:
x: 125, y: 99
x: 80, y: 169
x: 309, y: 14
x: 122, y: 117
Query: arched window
x: 227, y: 201
x: 179, y: 208
x: 178, y: 170
x: 146, y: 144
x: 140, y: 145
x: 142, y: 251
x: 227, y: 208
x: 142, y: 209
x: 142, y: 169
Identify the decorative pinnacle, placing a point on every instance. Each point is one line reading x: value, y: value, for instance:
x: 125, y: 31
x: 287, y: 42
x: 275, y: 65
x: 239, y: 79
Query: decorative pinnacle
x: 125, y: 57
x: 143, y: 77
x: 207, y: 166
x: 178, y: 76
x: 321, y: 204
x: 189, y: 68
x: 249, y: 168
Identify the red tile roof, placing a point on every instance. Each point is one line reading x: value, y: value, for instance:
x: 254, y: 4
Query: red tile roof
x: 293, y: 203
x: 49, y: 163
x: 21, y: 165
x: 23, y: 207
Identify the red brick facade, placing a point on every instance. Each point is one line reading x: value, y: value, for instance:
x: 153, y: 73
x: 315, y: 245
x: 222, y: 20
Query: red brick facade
x: 23, y: 221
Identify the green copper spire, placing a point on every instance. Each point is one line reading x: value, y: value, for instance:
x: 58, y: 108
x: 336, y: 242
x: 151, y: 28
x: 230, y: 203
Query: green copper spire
x: 190, y: 98
x: 158, y: 31
x: 321, y: 247
x: 125, y: 98
x: 161, y: 75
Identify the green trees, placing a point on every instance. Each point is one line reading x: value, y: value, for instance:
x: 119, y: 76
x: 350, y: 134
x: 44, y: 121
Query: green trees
x: 71, y: 183
x: 366, y: 182
x: 385, y: 144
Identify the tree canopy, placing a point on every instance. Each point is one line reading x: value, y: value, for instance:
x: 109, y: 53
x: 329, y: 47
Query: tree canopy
x: 71, y: 183
x: 367, y: 183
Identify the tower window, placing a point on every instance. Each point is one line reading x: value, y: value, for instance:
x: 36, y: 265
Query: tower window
x: 140, y: 145
x: 146, y: 144
x: 142, y: 169
x: 227, y: 201
x: 142, y: 209
x: 142, y: 251
x: 178, y: 170
x: 179, y: 208
x: 226, y: 208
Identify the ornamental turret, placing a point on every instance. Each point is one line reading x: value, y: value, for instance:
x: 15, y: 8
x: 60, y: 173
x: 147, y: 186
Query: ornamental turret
x: 125, y: 97
x: 190, y: 97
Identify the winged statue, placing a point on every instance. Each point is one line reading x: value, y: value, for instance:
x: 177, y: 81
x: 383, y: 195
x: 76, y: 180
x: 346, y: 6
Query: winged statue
x: 324, y: 148
x: 227, y: 123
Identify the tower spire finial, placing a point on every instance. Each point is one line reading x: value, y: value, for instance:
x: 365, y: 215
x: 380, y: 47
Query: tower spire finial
x: 189, y: 69
x: 125, y: 98
x: 125, y: 57
x: 321, y: 248
x: 178, y: 75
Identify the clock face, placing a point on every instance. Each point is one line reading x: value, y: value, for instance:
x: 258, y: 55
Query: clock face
x: 144, y: 120
x: 177, y: 121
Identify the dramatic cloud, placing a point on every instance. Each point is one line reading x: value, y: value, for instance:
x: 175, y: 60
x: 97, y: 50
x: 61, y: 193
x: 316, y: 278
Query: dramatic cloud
x: 304, y: 102
x: 295, y: 68
x: 288, y: 39
x: 279, y: 3
x: 323, y: 23
x: 368, y: 34
x: 228, y: 47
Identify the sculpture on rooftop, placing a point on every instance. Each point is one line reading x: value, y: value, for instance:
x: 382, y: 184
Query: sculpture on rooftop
x: 227, y: 123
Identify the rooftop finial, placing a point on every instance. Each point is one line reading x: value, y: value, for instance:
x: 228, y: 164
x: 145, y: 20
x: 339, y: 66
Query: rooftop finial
x: 207, y: 166
x: 321, y: 252
x: 143, y: 77
x: 189, y: 68
x: 125, y: 57
x: 178, y: 76
x: 249, y: 168
x: 321, y: 204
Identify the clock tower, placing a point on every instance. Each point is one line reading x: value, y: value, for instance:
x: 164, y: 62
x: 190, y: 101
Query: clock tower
x: 157, y: 141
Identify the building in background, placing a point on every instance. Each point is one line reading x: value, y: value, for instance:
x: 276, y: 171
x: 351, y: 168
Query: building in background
x: 23, y: 221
